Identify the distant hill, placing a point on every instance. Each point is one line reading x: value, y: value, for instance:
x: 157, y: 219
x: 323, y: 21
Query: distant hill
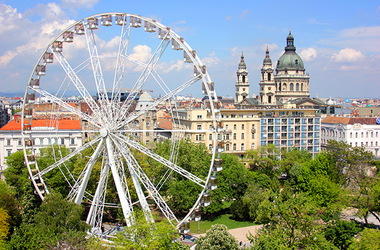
x: 13, y: 94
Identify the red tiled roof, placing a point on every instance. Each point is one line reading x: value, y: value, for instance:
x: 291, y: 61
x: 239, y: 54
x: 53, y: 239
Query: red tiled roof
x: 63, y: 124
x: 347, y: 120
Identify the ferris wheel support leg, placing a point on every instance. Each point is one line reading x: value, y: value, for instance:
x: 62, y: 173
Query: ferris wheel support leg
x: 95, y: 215
x: 118, y: 183
x: 90, y: 165
x: 131, y: 162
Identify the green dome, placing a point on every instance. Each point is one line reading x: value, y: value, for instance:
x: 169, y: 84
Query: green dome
x: 290, y: 59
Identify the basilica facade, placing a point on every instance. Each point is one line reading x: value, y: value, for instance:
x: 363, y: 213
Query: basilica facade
x: 286, y: 83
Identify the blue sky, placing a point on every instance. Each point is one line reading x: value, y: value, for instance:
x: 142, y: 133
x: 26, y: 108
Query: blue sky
x: 339, y: 41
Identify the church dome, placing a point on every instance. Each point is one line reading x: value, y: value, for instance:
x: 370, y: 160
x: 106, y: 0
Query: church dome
x: 145, y: 97
x: 290, y: 59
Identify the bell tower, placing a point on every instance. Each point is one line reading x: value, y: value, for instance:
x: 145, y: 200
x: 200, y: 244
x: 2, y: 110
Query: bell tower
x: 242, y: 84
x: 267, y: 83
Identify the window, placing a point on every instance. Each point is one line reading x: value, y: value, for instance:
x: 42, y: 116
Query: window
x: 199, y: 116
x: 356, y: 135
x: 234, y: 126
x: 291, y: 87
x: 233, y: 116
x: 252, y: 136
x: 227, y: 147
x: 49, y: 141
x: 362, y: 135
x: 41, y: 141
x: 9, y: 152
x: 297, y: 87
x: 234, y: 136
x: 227, y: 136
x: 62, y: 141
x: 242, y: 135
x: 242, y: 126
x: 147, y: 133
x: 8, y: 142
x: 253, y: 126
x: 234, y: 147
x: 356, y: 144
x: 196, y: 138
x: 227, y: 127
x: 253, y: 145
x: 147, y: 124
x: 210, y: 146
x: 351, y: 135
x: 210, y: 137
x: 19, y: 142
x: 199, y: 127
x: 242, y: 146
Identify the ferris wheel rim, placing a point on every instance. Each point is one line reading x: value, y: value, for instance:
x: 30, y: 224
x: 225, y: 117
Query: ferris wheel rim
x: 196, y: 62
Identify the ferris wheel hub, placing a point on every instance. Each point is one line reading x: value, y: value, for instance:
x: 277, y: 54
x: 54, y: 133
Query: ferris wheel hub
x: 103, y: 132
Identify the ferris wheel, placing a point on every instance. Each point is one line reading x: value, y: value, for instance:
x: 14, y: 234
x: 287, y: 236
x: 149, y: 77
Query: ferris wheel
x: 98, y: 73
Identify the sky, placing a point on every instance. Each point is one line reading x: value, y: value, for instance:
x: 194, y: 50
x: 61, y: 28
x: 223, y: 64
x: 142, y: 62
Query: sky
x: 339, y: 41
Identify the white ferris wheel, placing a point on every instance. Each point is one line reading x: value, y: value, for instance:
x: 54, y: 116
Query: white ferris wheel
x: 106, y: 61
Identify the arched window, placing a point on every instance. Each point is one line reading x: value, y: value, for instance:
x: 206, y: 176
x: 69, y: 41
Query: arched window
x: 301, y: 86
x: 269, y: 77
x: 297, y: 87
x: 284, y: 87
x: 269, y: 99
x: 243, y: 79
x: 291, y: 87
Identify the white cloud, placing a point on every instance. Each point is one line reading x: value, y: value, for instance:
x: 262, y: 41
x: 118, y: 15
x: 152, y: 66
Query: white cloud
x: 211, y: 60
x: 8, y: 18
x: 349, y: 68
x: 271, y: 47
x: 362, y: 32
x: 308, y: 54
x: 348, y: 55
x: 245, y: 12
x: 7, y: 57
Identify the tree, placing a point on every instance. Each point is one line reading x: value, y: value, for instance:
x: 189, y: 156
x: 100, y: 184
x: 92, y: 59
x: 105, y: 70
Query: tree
x: 341, y: 233
x: 30, y: 203
x: 293, y: 225
x: 369, y: 239
x: 292, y: 157
x: 16, y: 174
x: 217, y: 237
x: 9, y: 203
x: 4, y: 227
x: 145, y: 235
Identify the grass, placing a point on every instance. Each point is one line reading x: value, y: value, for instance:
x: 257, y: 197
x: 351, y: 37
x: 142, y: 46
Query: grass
x: 221, y: 219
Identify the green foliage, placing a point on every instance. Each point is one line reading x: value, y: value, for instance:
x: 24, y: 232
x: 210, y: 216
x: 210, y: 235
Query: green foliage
x: 293, y: 225
x: 16, y: 175
x: 292, y: 157
x: 232, y: 183
x: 10, y: 204
x: 369, y: 239
x: 240, y: 210
x: 54, y: 178
x: 30, y: 203
x: 4, y: 226
x: 341, y: 233
x: 217, y: 237
x: 27, y: 237
x: 144, y: 235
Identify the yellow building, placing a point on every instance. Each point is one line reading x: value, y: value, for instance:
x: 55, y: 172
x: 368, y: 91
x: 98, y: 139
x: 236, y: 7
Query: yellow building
x: 243, y: 129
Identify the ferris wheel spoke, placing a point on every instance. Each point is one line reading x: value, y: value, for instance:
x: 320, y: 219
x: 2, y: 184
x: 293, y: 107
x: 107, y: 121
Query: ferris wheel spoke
x: 162, y: 160
x: 65, y: 105
x: 158, y: 101
x: 95, y: 215
x: 120, y: 185
x: 78, y: 84
x: 132, y: 165
x: 120, y: 62
x: 153, y: 192
x: 80, y: 186
x: 97, y: 70
x: 143, y: 77
x: 67, y: 157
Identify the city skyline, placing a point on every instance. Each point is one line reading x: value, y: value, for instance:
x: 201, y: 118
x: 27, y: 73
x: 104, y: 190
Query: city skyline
x: 336, y: 40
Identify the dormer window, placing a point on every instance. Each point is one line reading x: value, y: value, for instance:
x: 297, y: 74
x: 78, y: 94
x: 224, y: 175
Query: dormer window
x: 296, y: 61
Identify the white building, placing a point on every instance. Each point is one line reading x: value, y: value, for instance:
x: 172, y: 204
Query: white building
x: 357, y: 132
x: 65, y: 132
